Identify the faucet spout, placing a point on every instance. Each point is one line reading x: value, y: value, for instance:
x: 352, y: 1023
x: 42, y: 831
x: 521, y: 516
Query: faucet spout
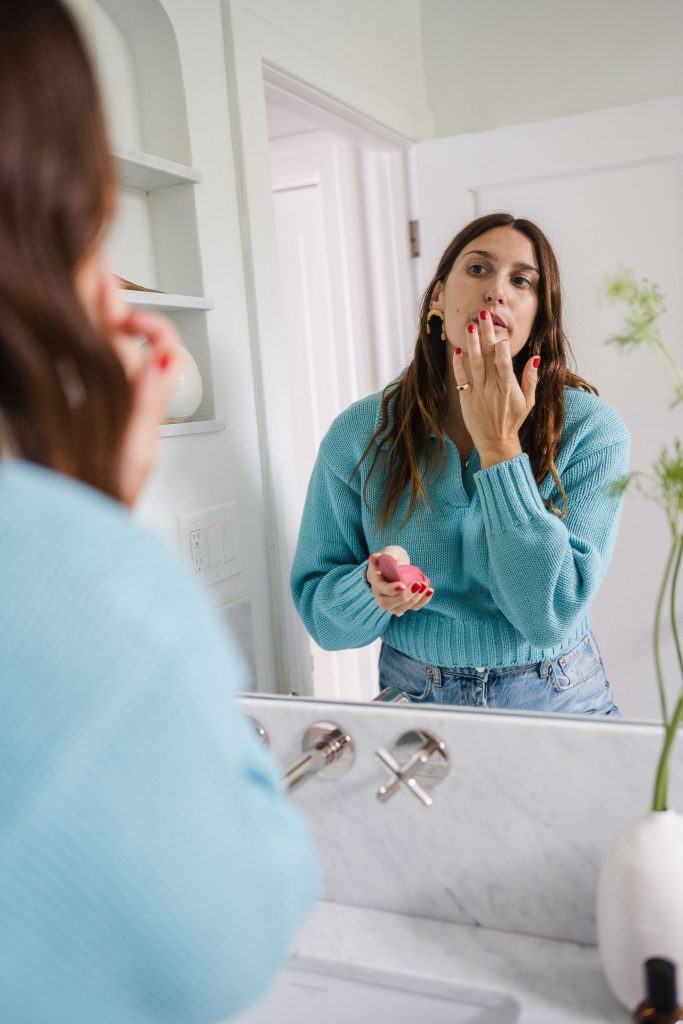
x: 327, y: 751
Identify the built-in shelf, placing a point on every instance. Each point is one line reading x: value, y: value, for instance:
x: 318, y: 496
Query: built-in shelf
x: 160, y: 300
x: 191, y: 427
x: 148, y: 173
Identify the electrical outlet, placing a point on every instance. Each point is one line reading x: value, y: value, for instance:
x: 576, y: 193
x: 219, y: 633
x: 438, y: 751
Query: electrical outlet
x: 210, y: 543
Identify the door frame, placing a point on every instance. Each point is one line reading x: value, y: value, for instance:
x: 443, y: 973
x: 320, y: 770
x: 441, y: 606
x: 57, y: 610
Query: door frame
x: 262, y: 59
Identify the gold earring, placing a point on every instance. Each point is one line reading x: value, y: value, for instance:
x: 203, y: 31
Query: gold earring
x: 436, y: 312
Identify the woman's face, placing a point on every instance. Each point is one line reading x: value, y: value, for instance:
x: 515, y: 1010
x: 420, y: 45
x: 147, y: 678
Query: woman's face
x: 498, y: 271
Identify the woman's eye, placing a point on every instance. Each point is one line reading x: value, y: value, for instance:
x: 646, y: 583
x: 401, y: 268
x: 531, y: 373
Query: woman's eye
x: 477, y: 269
x: 522, y: 282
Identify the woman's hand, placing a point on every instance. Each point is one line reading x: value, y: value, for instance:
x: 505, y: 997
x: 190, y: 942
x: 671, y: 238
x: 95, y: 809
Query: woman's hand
x: 152, y: 369
x: 494, y: 407
x: 396, y: 597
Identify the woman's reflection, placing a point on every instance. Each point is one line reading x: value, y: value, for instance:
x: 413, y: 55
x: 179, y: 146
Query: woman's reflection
x: 487, y: 464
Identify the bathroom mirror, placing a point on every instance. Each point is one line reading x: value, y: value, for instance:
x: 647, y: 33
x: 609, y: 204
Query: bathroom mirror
x: 582, y: 153
x: 348, y: 121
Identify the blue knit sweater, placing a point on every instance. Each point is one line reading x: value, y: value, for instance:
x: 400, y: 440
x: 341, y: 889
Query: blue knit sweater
x: 513, y: 582
x: 151, y: 869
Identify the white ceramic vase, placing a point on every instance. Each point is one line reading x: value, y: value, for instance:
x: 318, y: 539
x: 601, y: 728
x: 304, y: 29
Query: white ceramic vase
x: 186, y: 397
x: 640, y: 902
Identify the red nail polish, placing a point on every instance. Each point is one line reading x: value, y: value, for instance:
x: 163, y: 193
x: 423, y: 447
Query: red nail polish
x: 458, y: 351
x: 483, y: 315
x: 537, y: 362
x: 163, y: 360
x: 429, y: 593
x: 415, y: 588
x: 471, y: 328
x: 399, y: 590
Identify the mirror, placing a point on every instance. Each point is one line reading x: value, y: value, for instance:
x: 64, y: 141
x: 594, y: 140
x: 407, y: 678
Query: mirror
x: 596, y: 182
x: 333, y: 173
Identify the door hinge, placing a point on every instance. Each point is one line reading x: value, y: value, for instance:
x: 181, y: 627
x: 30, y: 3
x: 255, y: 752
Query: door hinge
x: 414, y: 227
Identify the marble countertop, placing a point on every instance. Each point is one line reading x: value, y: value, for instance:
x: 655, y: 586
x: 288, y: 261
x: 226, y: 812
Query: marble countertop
x: 554, y: 982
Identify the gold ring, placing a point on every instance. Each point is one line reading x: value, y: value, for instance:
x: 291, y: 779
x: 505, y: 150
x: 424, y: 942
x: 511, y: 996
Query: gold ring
x: 463, y: 387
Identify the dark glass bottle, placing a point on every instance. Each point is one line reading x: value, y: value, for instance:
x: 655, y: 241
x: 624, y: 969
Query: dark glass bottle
x: 660, y: 1005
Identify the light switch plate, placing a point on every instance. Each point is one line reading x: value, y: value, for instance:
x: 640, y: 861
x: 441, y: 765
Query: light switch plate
x: 210, y: 543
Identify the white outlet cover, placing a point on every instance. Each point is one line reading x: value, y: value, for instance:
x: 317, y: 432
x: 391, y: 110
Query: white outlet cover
x: 202, y: 562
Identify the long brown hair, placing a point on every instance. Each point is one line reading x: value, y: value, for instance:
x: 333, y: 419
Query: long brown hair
x: 64, y: 399
x: 415, y: 405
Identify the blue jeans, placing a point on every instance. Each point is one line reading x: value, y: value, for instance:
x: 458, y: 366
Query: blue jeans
x: 573, y: 683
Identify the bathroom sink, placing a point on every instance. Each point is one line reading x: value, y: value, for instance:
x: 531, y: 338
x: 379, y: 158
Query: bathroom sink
x: 339, y: 994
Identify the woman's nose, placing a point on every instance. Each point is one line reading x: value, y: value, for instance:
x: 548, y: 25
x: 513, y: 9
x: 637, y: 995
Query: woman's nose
x: 495, y: 292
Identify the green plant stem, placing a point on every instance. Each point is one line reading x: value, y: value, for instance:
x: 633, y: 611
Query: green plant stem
x: 674, y: 587
x: 668, y: 363
x: 660, y: 798
x: 657, y: 628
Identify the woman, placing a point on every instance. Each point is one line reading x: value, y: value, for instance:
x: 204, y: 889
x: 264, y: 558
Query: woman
x: 489, y: 463
x: 151, y: 868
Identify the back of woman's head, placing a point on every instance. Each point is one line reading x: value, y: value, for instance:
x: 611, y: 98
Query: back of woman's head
x: 64, y: 401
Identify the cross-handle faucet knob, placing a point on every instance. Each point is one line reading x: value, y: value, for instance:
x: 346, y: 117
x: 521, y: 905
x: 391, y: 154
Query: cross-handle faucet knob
x: 426, y: 764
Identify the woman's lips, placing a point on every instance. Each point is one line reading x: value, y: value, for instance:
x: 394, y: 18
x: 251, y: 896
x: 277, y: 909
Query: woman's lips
x: 496, y: 320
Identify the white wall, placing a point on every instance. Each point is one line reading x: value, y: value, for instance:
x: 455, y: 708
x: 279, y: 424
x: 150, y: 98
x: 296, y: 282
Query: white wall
x: 492, y: 63
x: 368, y: 54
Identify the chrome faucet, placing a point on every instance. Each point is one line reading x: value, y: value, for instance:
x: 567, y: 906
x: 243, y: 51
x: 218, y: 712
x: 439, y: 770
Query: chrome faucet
x: 327, y: 751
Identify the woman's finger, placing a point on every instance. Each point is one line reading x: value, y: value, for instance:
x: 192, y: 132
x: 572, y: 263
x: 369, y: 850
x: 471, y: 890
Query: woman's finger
x: 487, y: 334
x: 476, y: 360
x: 412, y: 596
x: 461, y: 370
x: 530, y: 381
x: 138, y: 338
x: 403, y: 600
x: 372, y: 570
x: 503, y: 360
x: 418, y: 590
x: 391, y: 604
x: 425, y: 598
x: 156, y: 329
x: 386, y: 590
x: 382, y: 587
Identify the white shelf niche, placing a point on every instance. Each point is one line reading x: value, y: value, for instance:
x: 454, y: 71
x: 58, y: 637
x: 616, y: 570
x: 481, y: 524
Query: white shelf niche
x: 162, y: 300
x: 147, y: 173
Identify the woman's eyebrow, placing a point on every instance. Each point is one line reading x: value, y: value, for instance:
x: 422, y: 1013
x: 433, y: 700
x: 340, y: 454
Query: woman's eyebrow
x: 494, y: 259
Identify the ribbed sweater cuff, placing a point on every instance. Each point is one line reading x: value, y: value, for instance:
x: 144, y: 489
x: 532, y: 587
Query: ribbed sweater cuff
x: 509, y: 494
x: 356, y: 602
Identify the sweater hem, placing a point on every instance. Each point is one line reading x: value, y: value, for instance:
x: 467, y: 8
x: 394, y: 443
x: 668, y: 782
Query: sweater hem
x: 453, y: 649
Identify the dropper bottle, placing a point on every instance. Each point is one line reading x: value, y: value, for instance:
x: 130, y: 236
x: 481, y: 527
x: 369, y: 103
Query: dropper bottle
x: 660, y: 1006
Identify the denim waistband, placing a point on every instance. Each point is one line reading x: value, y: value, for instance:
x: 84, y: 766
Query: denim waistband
x: 542, y: 667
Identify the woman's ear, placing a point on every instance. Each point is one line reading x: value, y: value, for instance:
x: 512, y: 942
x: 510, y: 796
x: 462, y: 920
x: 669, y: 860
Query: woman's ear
x: 436, y: 298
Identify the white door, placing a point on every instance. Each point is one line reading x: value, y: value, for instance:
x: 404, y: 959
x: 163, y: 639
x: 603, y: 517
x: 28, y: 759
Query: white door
x: 324, y: 271
x: 607, y: 188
